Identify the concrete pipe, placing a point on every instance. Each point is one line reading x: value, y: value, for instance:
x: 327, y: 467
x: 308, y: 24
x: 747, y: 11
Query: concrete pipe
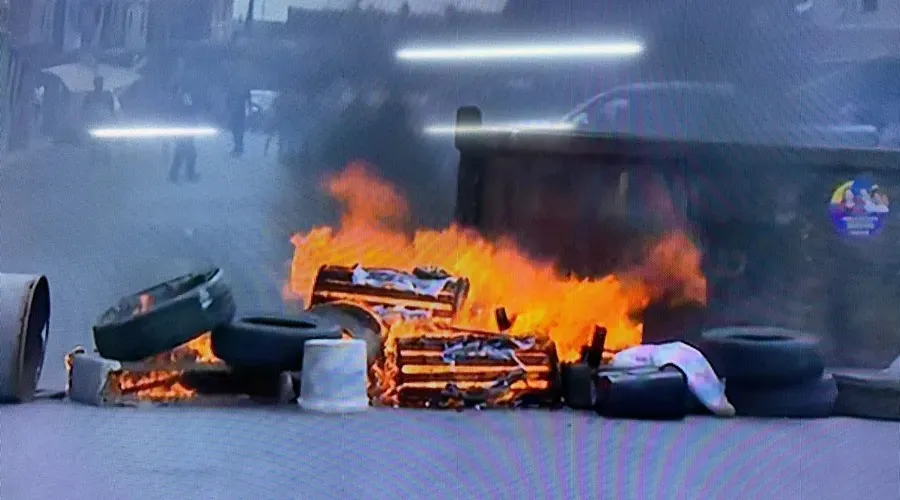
x: 24, y: 326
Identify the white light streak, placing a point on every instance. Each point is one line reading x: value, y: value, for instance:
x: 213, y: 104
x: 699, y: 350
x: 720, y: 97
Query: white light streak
x: 152, y: 132
x: 497, y: 128
x: 524, y: 51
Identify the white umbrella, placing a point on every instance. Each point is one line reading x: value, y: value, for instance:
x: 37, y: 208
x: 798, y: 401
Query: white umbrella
x: 79, y: 77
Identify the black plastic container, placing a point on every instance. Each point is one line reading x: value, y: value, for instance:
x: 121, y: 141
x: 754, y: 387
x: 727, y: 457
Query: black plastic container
x: 579, y: 390
x: 579, y: 382
x: 642, y: 394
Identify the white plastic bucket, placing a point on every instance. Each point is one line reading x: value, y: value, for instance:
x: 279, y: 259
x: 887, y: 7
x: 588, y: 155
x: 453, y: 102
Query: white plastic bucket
x: 333, y: 379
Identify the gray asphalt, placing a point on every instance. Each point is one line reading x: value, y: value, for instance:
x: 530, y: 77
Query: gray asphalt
x: 98, y: 233
x: 55, y: 450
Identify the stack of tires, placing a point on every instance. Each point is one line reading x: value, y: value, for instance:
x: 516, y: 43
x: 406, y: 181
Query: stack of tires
x: 771, y: 372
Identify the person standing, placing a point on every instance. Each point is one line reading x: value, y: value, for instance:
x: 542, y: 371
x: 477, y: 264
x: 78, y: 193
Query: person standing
x: 37, y: 107
x: 98, y: 105
x: 97, y: 109
x: 273, y: 119
x: 185, y: 157
x: 237, y: 109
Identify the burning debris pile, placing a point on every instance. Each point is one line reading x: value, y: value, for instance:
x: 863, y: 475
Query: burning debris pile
x: 156, y: 346
x: 436, y: 364
x: 187, y: 374
x: 165, y: 376
x: 449, y: 319
x: 511, y: 316
x: 446, y: 319
x: 162, y: 377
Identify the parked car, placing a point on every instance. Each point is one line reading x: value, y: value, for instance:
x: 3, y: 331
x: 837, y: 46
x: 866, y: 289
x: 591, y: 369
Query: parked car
x: 713, y: 111
x: 866, y: 93
x: 865, y: 90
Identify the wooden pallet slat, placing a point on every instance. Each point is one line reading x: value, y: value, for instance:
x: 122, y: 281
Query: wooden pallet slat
x: 335, y: 283
x: 424, y: 375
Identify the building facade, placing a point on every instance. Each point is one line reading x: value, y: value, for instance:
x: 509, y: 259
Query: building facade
x: 25, y: 42
x: 175, y: 21
x: 859, y: 14
x: 31, y: 21
x: 856, y: 30
x: 126, y: 25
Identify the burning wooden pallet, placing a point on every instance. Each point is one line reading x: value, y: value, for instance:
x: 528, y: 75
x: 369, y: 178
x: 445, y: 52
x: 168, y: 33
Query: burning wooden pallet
x: 423, y: 293
x: 460, y: 368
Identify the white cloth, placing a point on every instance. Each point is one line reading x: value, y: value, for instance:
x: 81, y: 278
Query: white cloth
x: 894, y: 369
x: 701, y: 378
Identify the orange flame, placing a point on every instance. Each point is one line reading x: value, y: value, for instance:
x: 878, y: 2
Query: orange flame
x: 164, y: 385
x: 198, y: 350
x: 156, y: 386
x: 544, y: 301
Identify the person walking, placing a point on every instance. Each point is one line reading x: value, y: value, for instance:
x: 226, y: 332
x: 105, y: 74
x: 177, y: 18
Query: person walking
x: 185, y: 157
x: 238, y: 102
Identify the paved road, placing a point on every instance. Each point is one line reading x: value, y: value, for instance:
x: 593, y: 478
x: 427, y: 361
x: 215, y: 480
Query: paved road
x: 100, y: 232
x: 53, y: 450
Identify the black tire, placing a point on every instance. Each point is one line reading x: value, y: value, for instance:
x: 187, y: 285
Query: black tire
x: 356, y: 322
x: 868, y: 394
x: 809, y: 399
x: 183, y: 308
x: 271, y: 342
x: 763, y: 355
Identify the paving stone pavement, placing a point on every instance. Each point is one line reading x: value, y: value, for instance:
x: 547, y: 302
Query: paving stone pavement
x: 100, y: 232
x: 58, y: 450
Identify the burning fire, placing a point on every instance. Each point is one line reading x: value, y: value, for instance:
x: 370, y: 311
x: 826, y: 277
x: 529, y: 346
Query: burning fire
x: 159, y: 382
x: 198, y: 350
x: 541, y: 300
x: 156, y: 385
x: 164, y: 384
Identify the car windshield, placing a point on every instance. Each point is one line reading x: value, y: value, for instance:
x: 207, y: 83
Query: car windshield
x: 562, y: 220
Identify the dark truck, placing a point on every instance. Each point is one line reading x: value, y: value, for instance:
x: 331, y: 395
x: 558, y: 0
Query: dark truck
x: 783, y: 242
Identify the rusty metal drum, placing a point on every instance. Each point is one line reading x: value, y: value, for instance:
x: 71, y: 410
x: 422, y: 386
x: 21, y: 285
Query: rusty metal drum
x: 24, y: 326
